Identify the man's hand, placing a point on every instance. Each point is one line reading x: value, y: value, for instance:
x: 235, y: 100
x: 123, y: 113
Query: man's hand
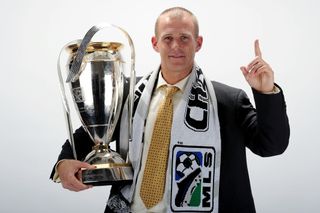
x: 70, y: 174
x: 258, y: 73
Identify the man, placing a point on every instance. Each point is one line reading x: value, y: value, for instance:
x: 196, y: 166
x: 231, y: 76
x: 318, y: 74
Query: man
x: 211, y: 126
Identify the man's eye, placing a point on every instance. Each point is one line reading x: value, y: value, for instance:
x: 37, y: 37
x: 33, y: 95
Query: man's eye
x: 184, y: 38
x: 167, y: 39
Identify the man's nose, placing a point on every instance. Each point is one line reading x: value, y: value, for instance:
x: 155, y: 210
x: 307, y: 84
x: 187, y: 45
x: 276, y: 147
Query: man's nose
x: 175, y: 44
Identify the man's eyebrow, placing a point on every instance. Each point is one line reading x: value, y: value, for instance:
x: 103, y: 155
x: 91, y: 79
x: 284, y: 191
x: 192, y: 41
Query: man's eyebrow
x: 180, y: 34
x: 166, y: 34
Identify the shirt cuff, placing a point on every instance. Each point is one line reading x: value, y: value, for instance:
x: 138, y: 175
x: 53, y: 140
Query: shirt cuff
x: 275, y: 90
x: 56, y: 177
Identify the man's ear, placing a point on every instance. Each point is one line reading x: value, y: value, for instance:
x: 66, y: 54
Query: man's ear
x: 199, y: 41
x: 154, y: 42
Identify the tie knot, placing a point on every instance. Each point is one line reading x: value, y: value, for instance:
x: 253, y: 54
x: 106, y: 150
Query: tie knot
x: 171, y: 90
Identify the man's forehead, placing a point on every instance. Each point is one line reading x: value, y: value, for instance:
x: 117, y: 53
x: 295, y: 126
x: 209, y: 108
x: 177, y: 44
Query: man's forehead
x: 167, y: 18
x: 179, y: 25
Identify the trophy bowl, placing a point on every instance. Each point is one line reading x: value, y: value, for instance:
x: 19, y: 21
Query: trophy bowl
x: 97, y: 80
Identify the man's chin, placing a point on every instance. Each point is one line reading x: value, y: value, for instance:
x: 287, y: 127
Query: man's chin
x: 178, y: 62
x: 179, y: 68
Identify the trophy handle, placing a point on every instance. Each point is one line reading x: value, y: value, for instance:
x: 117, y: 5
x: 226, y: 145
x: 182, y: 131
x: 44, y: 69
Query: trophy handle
x: 66, y: 105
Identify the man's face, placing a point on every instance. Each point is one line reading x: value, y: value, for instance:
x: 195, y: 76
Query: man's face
x: 176, y: 43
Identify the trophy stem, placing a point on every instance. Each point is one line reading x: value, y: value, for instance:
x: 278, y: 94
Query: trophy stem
x: 101, y: 147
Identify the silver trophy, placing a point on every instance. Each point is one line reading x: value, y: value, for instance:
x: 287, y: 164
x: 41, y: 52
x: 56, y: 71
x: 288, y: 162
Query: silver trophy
x: 95, y: 77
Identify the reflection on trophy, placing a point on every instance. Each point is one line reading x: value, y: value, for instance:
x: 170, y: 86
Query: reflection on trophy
x: 94, y: 76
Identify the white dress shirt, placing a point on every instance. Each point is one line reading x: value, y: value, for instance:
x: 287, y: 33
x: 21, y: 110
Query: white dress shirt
x: 157, y: 97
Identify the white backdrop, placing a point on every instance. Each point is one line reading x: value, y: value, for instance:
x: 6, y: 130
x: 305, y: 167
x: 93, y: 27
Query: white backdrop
x: 32, y: 122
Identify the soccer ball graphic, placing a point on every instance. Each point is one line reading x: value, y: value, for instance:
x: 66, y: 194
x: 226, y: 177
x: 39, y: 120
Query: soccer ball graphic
x: 186, y: 163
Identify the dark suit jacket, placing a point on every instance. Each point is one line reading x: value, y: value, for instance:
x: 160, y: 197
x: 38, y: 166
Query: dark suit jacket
x: 264, y: 130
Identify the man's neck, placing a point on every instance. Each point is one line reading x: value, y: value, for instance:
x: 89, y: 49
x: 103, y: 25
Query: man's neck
x: 174, y: 77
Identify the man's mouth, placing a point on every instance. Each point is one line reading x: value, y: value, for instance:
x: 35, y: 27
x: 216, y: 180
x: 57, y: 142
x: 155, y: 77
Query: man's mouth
x: 176, y: 56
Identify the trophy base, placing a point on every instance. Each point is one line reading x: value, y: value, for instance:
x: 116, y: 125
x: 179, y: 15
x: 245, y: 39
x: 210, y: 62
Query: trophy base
x: 107, y: 176
x: 110, y: 169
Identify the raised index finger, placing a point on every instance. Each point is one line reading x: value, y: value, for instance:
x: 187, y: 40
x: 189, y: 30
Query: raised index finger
x: 257, y: 50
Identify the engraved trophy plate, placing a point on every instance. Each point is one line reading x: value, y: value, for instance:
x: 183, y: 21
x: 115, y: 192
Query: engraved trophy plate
x: 93, y: 76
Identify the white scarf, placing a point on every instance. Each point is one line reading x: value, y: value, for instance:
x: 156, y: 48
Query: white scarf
x: 195, y: 147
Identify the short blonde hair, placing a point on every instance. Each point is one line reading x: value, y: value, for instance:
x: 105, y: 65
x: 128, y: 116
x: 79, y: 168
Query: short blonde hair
x: 178, y: 12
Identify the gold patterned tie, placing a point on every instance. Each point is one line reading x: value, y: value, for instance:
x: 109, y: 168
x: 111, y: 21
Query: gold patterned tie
x: 154, y: 177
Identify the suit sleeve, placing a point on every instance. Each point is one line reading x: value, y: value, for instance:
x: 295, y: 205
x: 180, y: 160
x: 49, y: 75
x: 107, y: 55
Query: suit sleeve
x: 266, y: 127
x: 83, y: 145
